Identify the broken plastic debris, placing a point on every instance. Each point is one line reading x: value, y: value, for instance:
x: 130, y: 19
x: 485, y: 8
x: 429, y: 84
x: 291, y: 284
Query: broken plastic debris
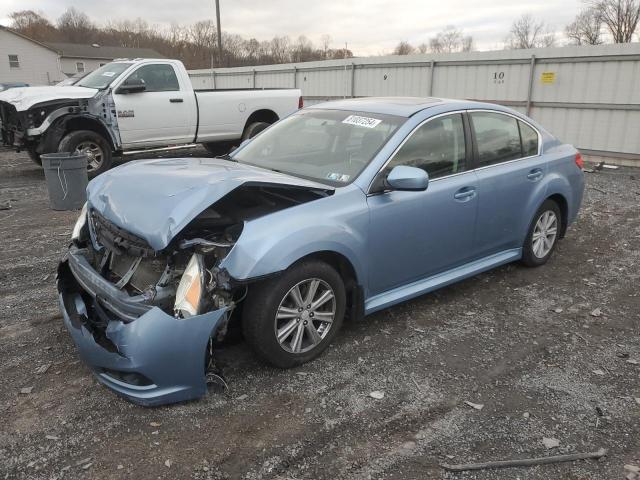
x: 168, y: 463
x: 26, y: 390
x: 477, y: 406
x: 596, y: 312
x: 377, y: 394
x: 598, y: 371
x: 550, y: 442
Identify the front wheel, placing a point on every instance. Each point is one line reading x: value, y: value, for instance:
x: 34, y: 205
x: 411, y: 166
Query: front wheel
x: 92, y: 144
x: 543, y: 235
x: 292, y: 319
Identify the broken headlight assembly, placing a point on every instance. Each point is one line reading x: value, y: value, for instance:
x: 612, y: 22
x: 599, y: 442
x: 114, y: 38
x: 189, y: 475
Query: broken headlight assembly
x: 191, y: 289
x: 80, y: 223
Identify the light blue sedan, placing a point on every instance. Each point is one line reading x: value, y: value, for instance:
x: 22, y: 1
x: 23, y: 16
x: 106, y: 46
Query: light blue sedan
x: 336, y: 211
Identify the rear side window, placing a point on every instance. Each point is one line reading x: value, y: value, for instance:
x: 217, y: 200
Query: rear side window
x: 529, y: 140
x: 437, y: 147
x: 497, y: 137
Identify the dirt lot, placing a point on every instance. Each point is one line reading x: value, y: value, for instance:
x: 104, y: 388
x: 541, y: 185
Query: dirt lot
x: 550, y: 352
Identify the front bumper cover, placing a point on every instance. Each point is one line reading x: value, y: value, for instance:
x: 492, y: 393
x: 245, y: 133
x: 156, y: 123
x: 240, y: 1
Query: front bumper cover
x: 153, y: 360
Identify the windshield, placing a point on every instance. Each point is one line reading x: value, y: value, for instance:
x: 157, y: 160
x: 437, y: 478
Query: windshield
x: 328, y: 146
x: 103, y: 76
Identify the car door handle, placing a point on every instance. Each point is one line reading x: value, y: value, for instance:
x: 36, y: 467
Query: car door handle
x: 176, y: 100
x: 465, y: 194
x: 535, y: 174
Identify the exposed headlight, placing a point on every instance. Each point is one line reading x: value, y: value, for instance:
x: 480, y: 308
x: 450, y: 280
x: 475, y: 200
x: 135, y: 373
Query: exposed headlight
x: 190, y: 288
x: 80, y: 223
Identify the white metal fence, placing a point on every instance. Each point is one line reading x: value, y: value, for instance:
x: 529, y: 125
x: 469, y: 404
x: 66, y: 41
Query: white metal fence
x: 588, y: 96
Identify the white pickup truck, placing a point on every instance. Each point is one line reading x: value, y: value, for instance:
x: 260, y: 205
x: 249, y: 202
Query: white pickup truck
x: 130, y: 105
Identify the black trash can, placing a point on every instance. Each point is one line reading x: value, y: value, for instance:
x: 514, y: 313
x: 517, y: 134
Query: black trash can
x: 66, y: 175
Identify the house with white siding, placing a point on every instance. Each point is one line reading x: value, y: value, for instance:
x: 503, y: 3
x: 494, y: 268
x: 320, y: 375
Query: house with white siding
x: 23, y: 59
x: 80, y: 58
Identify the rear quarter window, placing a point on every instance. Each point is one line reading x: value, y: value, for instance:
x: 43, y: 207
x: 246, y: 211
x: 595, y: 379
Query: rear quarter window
x: 529, y: 140
x: 497, y: 137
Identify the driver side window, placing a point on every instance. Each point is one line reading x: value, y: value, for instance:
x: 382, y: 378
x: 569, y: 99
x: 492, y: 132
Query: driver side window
x: 156, y: 78
x: 437, y: 147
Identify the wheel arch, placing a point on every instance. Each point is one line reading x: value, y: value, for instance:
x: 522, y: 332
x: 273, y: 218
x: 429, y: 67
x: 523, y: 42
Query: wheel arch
x: 263, y: 115
x: 563, y: 205
x: 70, y: 123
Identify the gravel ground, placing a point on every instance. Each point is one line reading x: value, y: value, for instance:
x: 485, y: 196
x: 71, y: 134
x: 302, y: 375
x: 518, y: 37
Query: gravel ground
x: 552, y: 352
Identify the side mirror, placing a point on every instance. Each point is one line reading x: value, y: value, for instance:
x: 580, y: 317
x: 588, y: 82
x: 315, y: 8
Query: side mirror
x: 403, y: 177
x: 132, y: 86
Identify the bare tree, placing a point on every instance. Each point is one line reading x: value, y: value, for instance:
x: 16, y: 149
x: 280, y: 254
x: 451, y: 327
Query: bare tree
x: 422, y: 48
x: 467, y: 44
x: 280, y: 49
x: 620, y: 17
x: 33, y: 25
x: 75, y: 26
x: 403, y: 48
x: 325, y: 42
x: 527, y: 32
x: 451, y: 40
x: 586, y: 29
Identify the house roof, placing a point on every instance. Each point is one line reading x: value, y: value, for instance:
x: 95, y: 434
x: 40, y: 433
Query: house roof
x: 44, y: 45
x: 103, y: 52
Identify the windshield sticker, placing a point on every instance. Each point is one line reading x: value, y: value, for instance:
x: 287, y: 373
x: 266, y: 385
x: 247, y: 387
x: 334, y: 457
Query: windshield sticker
x: 338, y: 177
x: 108, y: 74
x: 362, y: 121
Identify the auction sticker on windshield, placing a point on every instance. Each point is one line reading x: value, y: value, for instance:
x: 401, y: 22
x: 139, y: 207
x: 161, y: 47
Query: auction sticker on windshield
x: 361, y: 121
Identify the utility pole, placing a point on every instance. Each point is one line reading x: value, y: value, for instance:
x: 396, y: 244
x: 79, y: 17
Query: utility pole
x: 219, y: 32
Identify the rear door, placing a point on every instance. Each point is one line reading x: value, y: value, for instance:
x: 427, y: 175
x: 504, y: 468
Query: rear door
x: 414, y: 235
x: 161, y: 115
x: 510, y: 169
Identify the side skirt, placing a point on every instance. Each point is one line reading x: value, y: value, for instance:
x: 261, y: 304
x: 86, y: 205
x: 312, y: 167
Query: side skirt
x: 429, y: 284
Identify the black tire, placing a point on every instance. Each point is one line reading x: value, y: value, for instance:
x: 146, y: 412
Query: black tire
x: 75, y: 141
x: 253, y: 129
x: 529, y: 256
x: 34, y: 156
x: 218, y: 148
x: 264, y: 300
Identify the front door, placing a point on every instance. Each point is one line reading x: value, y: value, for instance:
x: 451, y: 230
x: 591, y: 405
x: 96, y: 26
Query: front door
x: 158, y: 116
x: 414, y: 235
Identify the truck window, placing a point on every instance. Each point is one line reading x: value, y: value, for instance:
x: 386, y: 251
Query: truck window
x: 156, y: 77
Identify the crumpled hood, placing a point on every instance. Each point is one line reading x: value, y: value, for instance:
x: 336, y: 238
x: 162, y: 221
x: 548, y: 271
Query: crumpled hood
x: 25, y: 97
x: 156, y: 199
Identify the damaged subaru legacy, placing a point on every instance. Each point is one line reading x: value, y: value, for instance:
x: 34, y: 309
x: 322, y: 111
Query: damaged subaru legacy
x: 336, y: 211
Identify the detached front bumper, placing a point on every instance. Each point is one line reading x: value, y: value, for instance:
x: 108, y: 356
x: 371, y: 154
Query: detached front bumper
x: 153, y: 360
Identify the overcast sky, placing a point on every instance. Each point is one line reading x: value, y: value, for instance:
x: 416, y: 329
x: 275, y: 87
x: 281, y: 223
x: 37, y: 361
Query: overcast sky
x: 368, y: 26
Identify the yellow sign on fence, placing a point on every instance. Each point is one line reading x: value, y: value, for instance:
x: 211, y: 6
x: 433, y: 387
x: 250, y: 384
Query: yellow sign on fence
x: 548, y: 77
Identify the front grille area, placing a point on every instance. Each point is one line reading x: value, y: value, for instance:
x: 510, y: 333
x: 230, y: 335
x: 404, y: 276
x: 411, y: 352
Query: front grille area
x: 117, y: 239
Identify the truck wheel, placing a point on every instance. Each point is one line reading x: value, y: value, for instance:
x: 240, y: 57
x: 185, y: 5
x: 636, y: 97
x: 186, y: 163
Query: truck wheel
x: 291, y: 319
x: 34, y: 156
x: 94, y: 145
x: 218, y: 148
x: 253, y: 129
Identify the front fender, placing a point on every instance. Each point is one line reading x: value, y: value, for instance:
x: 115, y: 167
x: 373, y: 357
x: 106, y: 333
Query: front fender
x: 271, y: 244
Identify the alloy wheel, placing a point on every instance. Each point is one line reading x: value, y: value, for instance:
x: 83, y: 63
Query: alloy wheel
x: 94, y: 154
x: 305, y: 315
x: 544, y: 234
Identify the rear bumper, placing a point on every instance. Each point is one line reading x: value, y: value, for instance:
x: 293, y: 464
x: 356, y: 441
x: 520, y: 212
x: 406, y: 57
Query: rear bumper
x: 153, y: 360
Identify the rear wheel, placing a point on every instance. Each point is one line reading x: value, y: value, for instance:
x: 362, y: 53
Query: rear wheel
x: 543, y: 235
x: 94, y: 145
x: 253, y: 129
x: 292, y: 319
x: 218, y: 148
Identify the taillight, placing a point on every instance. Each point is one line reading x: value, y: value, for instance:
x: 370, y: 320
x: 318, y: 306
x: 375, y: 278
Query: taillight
x: 579, y: 161
x: 300, y: 103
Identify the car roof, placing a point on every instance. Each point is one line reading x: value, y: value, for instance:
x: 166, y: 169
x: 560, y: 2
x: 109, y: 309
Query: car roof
x: 400, y: 106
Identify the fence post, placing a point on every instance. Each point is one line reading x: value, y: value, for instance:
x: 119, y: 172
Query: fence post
x: 254, y: 79
x: 530, y: 91
x: 353, y: 80
x: 295, y: 76
x: 432, y: 67
x: 213, y: 79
